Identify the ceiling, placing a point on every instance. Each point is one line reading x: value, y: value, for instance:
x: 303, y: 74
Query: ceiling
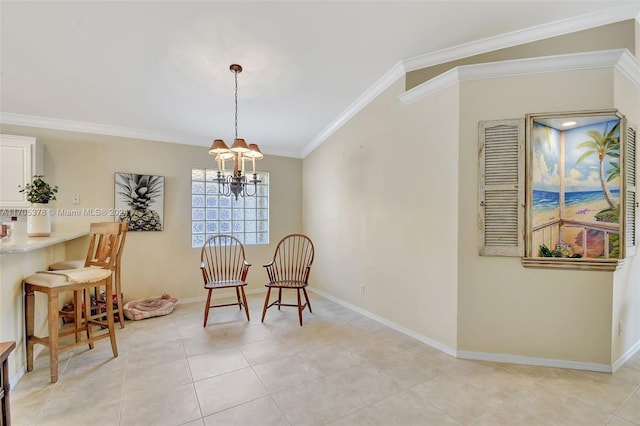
x: 160, y: 70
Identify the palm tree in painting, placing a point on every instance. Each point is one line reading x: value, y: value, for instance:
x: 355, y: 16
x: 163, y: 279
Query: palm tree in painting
x: 602, y: 144
x: 614, y: 171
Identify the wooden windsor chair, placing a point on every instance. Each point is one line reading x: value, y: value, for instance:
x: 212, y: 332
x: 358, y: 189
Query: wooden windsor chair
x: 290, y: 269
x: 224, y: 265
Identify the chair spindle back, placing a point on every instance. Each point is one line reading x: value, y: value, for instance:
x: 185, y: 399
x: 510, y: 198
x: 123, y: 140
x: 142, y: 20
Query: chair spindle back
x: 223, y: 259
x: 292, y: 259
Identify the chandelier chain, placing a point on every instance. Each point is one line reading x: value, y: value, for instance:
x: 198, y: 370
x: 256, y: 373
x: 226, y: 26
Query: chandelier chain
x: 236, y: 118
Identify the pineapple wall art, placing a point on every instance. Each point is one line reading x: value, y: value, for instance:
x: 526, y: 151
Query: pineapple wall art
x: 139, y: 201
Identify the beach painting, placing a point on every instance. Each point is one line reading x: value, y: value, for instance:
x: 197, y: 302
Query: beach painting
x: 575, y: 187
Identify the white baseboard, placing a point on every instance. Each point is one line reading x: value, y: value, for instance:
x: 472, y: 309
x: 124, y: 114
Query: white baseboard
x: 426, y: 340
x: 625, y: 357
x: 219, y: 295
x: 484, y: 356
x: 542, y: 362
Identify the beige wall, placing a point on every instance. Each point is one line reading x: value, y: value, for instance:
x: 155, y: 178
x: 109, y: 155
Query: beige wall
x: 505, y: 308
x: 156, y: 262
x: 625, y: 321
x: 379, y: 200
x: 415, y: 248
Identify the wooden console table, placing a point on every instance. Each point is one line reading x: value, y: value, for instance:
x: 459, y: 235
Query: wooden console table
x: 5, y: 350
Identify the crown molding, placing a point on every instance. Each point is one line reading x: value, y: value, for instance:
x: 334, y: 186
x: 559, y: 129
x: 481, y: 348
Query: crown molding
x: 396, y: 72
x: 528, y: 35
x: 620, y: 59
x: 85, y: 127
x: 552, y: 29
x: 104, y: 129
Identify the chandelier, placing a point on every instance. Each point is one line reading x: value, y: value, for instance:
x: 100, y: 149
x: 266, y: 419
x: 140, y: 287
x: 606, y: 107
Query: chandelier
x: 236, y: 183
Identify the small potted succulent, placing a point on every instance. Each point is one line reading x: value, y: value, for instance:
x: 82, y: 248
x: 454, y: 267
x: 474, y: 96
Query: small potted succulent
x: 39, y: 193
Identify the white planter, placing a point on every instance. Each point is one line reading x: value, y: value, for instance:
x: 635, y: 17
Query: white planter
x: 39, y: 221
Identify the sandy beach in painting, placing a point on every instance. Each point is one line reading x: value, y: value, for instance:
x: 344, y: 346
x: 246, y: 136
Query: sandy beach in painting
x: 584, y: 212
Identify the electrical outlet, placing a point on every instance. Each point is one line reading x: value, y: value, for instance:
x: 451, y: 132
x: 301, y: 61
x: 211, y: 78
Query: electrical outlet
x: 362, y: 289
x: 76, y: 199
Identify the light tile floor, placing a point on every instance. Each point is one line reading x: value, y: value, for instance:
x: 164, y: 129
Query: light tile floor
x: 341, y: 368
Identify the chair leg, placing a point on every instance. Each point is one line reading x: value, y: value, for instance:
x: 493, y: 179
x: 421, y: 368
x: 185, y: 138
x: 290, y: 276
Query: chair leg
x: 299, y: 308
x: 244, y: 301
x: 279, y: 298
x: 238, y: 297
x: 206, y: 308
x: 266, y: 303
x: 307, y: 299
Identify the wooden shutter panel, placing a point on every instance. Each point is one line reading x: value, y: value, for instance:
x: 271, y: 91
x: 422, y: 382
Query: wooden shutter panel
x: 631, y: 236
x: 501, y: 188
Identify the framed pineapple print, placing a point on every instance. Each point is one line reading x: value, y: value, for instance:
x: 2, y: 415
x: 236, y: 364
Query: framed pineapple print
x: 139, y: 200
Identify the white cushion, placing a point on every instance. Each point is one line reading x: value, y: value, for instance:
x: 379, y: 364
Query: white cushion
x: 68, y: 276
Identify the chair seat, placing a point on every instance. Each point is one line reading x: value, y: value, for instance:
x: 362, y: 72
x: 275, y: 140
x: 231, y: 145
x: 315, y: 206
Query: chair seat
x: 287, y: 284
x: 225, y: 284
x: 51, y: 279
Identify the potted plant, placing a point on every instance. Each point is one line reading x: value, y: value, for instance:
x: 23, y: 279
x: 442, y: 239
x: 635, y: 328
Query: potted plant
x: 39, y: 193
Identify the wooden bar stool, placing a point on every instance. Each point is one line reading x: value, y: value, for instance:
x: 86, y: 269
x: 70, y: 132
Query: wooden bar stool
x: 93, y: 258
x: 81, y: 282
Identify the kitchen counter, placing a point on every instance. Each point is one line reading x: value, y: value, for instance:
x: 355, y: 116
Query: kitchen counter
x: 27, y: 244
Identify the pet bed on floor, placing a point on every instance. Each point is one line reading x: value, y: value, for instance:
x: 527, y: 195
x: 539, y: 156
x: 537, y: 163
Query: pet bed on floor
x: 150, y: 307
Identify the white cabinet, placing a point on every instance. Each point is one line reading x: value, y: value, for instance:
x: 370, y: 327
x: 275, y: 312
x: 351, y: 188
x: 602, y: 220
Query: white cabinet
x: 17, y: 166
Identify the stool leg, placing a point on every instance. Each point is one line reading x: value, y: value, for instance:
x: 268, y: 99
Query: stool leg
x: 86, y: 296
x: 53, y: 335
x: 110, y: 323
x: 29, y: 314
x: 119, y: 298
x: 87, y: 314
x: 77, y: 313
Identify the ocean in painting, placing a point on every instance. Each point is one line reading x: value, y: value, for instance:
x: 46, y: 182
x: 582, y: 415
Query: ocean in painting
x: 544, y: 201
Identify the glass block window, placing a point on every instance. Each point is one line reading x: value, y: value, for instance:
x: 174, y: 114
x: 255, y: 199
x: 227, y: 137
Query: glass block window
x: 211, y: 213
